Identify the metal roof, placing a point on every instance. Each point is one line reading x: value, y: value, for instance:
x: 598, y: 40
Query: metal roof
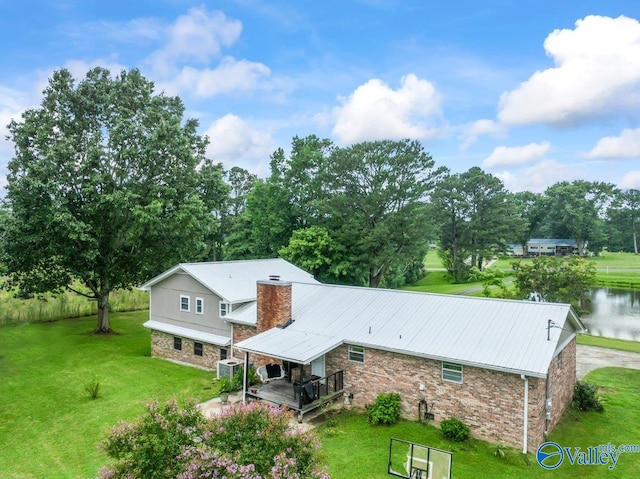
x: 188, y: 333
x: 505, y: 335
x: 235, y: 281
x: 552, y: 241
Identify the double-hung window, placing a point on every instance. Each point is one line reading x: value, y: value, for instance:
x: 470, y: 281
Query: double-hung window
x: 197, y: 349
x: 225, y: 308
x: 199, y: 306
x: 356, y: 353
x: 185, y: 303
x: 177, y: 343
x: 452, y: 372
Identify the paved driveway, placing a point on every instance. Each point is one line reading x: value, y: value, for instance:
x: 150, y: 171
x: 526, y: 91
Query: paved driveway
x: 589, y: 358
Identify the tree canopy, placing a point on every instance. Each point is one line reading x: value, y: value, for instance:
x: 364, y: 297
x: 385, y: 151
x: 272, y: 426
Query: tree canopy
x: 102, y: 188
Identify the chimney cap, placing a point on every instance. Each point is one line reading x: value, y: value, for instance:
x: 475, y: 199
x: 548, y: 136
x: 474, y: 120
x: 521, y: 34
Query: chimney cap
x: 274, y: 277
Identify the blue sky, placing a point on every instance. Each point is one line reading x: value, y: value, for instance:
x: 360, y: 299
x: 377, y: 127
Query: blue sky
x: 533, y: 92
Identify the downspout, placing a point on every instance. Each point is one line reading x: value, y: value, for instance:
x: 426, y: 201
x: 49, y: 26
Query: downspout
x: 231, y: 355
x: 244, y: 379
x: 525, y: 428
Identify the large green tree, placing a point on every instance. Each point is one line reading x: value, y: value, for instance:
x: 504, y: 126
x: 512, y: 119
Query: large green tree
x: 577, y: 210
x: 476, y: 217
x: 102, y: 188
x: 554, y: 280
x: 373, y: 205
x: 623, y: 218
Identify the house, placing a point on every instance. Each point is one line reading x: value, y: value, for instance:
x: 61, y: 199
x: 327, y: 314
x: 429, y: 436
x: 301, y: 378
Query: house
x: 506, y: 368
x: 189, y: 303
x: 545, y: 247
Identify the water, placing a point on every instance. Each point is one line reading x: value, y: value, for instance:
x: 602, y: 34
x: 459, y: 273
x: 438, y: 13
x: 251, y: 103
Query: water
x: 615, y: 313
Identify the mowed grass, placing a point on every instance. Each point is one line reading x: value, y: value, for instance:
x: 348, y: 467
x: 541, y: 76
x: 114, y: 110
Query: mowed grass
x: 353, y: 449
x: 610, y: 343
x: 49, y: 428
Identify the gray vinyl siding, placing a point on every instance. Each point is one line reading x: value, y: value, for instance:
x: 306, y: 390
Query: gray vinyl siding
x: 165, y: 305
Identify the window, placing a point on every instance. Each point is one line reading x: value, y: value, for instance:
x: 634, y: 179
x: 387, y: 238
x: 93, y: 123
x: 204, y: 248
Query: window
x: 225, y: 308
x: 223, y: 354
x: 199, y: 306
x: 356, y: 353
x: 184, y: 303
x: 197, y: 349
x: 177, y: 343
x: 560, y: 360
x: 452, y: 372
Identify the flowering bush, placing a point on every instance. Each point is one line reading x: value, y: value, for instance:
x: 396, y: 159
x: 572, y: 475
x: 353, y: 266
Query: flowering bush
x: 250, y: 441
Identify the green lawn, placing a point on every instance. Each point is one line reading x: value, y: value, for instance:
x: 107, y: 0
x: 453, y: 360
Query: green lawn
x: 48, y: 425
x: 354, y: 449
x: 620, y: 344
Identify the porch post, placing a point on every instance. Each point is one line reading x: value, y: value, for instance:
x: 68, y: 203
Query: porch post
x: 300, y: 386
x: 245, y: 374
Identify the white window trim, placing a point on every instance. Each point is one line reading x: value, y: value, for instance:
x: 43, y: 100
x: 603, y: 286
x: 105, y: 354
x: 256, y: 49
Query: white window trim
x: 357, y: 353
x: 200, y: 303
x: 454, y: 371
x: 188, y: 298
x: 228, y: 308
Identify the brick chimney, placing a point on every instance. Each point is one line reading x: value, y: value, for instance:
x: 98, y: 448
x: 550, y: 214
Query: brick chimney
x: 273, y: 303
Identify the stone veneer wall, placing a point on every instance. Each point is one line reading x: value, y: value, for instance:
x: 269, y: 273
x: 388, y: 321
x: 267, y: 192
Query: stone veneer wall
x: 490, y: 402
x: 162, y: 346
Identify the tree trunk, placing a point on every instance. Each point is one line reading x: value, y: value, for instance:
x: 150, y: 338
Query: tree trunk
x: 103, y: 314
x: 635, y: 236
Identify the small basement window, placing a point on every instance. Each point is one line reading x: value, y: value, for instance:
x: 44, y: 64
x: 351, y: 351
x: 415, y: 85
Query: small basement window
x: 177, y: 343
x: 356, y: 353
x: 197, y: 349
x: 225, y: 308
x: 223, y: 354
x: 199, y: 306
x: 452, y: 372
x: 184, y: 303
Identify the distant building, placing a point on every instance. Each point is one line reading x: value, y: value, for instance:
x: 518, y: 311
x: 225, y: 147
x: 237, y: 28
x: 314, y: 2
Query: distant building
x: 545, y: 247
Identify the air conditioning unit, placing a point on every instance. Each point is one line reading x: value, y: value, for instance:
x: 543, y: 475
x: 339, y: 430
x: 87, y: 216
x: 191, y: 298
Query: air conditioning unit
x: 228, y: 367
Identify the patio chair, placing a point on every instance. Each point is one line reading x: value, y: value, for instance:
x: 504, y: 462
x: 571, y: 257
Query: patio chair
x: 270, y: 372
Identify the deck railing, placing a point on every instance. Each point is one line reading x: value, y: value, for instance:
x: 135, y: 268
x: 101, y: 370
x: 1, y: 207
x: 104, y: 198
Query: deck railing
x: 323, y: 387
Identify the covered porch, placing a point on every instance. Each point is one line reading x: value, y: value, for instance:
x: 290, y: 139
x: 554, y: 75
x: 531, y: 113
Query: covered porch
x: 301, y: 396
x: 306, y: 385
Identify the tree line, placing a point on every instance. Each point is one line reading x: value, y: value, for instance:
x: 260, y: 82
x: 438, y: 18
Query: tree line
x: 109, y: 185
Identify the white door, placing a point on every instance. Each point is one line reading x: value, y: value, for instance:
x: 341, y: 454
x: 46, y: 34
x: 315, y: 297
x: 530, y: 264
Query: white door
x: 317, y: 367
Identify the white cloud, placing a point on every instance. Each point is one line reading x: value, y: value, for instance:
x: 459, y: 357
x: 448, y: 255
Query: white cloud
x: 631, y: 180
x: 12, y: 104
x: 230, y: 75
x: 471, y: 131
x: 197, y: 36
x: 596, y: 73
x: 538, y: 177
x: 374, y: 111
x: 516, y: 155
x: 627, y: 145
x: 234, y: 142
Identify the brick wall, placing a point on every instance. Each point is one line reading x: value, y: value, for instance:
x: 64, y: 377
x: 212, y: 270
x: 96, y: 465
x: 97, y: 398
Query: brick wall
x: 274, y: 304
x: 242, y: 332
x: 562, y: 378
x: 490, y: 402
x: 162, y: 346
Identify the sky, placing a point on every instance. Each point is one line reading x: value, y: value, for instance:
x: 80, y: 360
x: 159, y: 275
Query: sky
x: 533, y: 92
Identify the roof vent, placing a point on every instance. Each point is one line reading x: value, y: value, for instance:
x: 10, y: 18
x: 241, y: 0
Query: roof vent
x: 274, y: 277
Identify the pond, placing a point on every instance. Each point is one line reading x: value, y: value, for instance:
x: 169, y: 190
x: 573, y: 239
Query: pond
x: 614, y: 313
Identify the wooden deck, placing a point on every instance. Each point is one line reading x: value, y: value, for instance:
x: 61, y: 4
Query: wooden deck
x: 282, y: 392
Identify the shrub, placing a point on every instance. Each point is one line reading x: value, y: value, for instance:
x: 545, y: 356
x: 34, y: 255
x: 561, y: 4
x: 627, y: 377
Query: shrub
x: 249, y: 441
x: 385, y: 410
x: 93, y: 388
x: 586, y: 398
x: 454, y: 430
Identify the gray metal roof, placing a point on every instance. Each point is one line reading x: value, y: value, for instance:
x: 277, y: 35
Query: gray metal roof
x: 503, y: 335
x: 188, y: 333
x: 552, y: 241
x: 235, y: 281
